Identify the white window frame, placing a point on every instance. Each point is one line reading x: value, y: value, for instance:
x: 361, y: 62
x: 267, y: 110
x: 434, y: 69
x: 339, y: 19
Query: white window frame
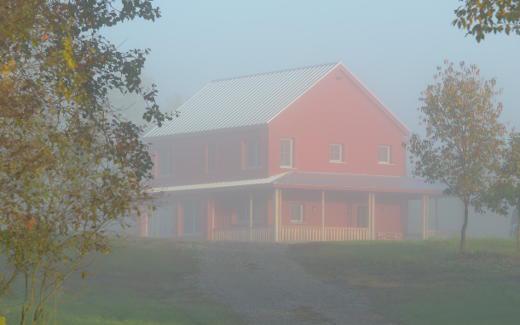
x: 298, y: 206
x: 291, y: 153
x: 389, y: 154
x: 340, y: 151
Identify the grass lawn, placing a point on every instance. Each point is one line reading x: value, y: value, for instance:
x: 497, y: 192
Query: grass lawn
x: 425, y: 282
x: 141, y: 282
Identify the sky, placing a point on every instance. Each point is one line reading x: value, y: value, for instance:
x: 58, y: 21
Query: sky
x: 392, y: 46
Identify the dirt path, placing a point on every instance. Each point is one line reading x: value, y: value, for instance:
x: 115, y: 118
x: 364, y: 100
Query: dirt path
x: 262, y: 284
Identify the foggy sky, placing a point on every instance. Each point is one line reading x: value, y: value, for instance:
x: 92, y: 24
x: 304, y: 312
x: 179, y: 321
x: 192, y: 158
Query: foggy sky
x: 392, y: 46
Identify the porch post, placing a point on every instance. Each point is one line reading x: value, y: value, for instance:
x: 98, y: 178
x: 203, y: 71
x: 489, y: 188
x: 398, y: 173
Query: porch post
x: 371, y: 216
x: 213, y: 220
x: 436, y: 215
x: 277, y: 212
x: 322, y: 215
x: 210, y: 218
x: 425, y: 212
x: 180, y: 220
x: 251, y: 217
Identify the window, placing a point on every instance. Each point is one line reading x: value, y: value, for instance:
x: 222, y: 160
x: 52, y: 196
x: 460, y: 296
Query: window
x: 286, y: 153
x: 251, y: 154
x: 296, y: 212
x: 336, y: 153
x: 211, y: 157
x: 384, y: 154
x: 362, y: 216
x: 165, y: 162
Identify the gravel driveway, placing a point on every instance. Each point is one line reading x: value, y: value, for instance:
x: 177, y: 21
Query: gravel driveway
x: 264, y: 285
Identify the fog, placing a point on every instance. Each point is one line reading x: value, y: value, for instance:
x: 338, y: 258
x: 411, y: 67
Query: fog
x: 320, y: 162
x: 393, y: 47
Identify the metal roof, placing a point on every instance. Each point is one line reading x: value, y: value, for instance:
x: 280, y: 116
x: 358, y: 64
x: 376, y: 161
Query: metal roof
x: 217, y: 185
x: 242, y: 101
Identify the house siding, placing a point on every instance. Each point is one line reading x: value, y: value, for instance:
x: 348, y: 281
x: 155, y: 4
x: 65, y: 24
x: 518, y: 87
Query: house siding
x: 189, y: 154
x: 337, y: 110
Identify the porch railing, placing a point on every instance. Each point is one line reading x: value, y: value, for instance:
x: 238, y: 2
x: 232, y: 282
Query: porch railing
x: 297, y: 233
x: 293, y: 234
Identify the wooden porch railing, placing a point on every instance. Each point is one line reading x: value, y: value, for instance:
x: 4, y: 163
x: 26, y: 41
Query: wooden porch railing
x: 293, y: 234
x: 297, y: 233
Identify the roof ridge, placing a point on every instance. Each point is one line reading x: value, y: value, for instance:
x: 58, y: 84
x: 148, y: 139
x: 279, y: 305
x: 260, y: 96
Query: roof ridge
x: 332, y: 64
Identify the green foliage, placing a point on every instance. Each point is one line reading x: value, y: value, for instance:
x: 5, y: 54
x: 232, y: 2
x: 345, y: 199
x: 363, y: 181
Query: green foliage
x: 70, y: 165
x: 504, y: 194
x: 481, y: 17
x: 464, y: 138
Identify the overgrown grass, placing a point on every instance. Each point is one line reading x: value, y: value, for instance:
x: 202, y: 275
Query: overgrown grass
x: 425, y: 282
x: 141, y: 282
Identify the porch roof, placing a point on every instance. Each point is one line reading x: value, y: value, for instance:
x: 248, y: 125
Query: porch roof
x: 319, y: 181
x: 356, y: 182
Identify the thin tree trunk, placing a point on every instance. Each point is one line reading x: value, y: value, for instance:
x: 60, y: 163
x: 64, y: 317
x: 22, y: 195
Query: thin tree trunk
x: 26, y: 298
x: 518, y: 228
x: 462, y: 244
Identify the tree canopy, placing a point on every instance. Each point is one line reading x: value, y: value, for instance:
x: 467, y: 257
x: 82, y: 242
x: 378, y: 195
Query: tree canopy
x: 463, y: 137
x: 481, y: 17
x: 70, y: 165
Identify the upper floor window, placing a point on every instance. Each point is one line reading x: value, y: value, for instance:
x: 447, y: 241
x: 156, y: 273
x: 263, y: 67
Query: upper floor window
x: 336, y: 153
x: 164, y: 159
x: 251, y: 154
x: 286, y: 153
x: 211, y: 157
x: 296, y: 212
x: 384, y: 154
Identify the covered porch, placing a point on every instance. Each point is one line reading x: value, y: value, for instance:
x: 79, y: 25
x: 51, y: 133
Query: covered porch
x: 296, y: 207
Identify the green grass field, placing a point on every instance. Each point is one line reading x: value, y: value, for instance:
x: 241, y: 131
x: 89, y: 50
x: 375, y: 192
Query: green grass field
x: 421, y: 283
x: 148, y: 282
x: 141, y: 282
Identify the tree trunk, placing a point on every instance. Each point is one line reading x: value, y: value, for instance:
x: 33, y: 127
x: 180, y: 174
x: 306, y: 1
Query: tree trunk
x: 462, y: 244
x: 518, y: 228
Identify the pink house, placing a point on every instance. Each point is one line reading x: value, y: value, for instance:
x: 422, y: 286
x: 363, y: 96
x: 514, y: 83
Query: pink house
x: 295, y: 155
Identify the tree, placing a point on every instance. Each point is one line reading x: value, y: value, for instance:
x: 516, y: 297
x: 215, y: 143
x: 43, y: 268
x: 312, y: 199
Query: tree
x: 481, y: 17
x: 463, y: 137
x: 70, y: 165
x: 505, y: 193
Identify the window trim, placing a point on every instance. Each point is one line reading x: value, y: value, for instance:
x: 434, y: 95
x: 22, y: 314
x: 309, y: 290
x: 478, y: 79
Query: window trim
x: 389, y: 150
x: 291, y: 153
x: 301, y: 212
x: 341, y: 153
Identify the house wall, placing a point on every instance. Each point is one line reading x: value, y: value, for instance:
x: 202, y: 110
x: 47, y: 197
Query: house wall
x: 337, y: 110
x: 189, y: 156
x: 341, y: 210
